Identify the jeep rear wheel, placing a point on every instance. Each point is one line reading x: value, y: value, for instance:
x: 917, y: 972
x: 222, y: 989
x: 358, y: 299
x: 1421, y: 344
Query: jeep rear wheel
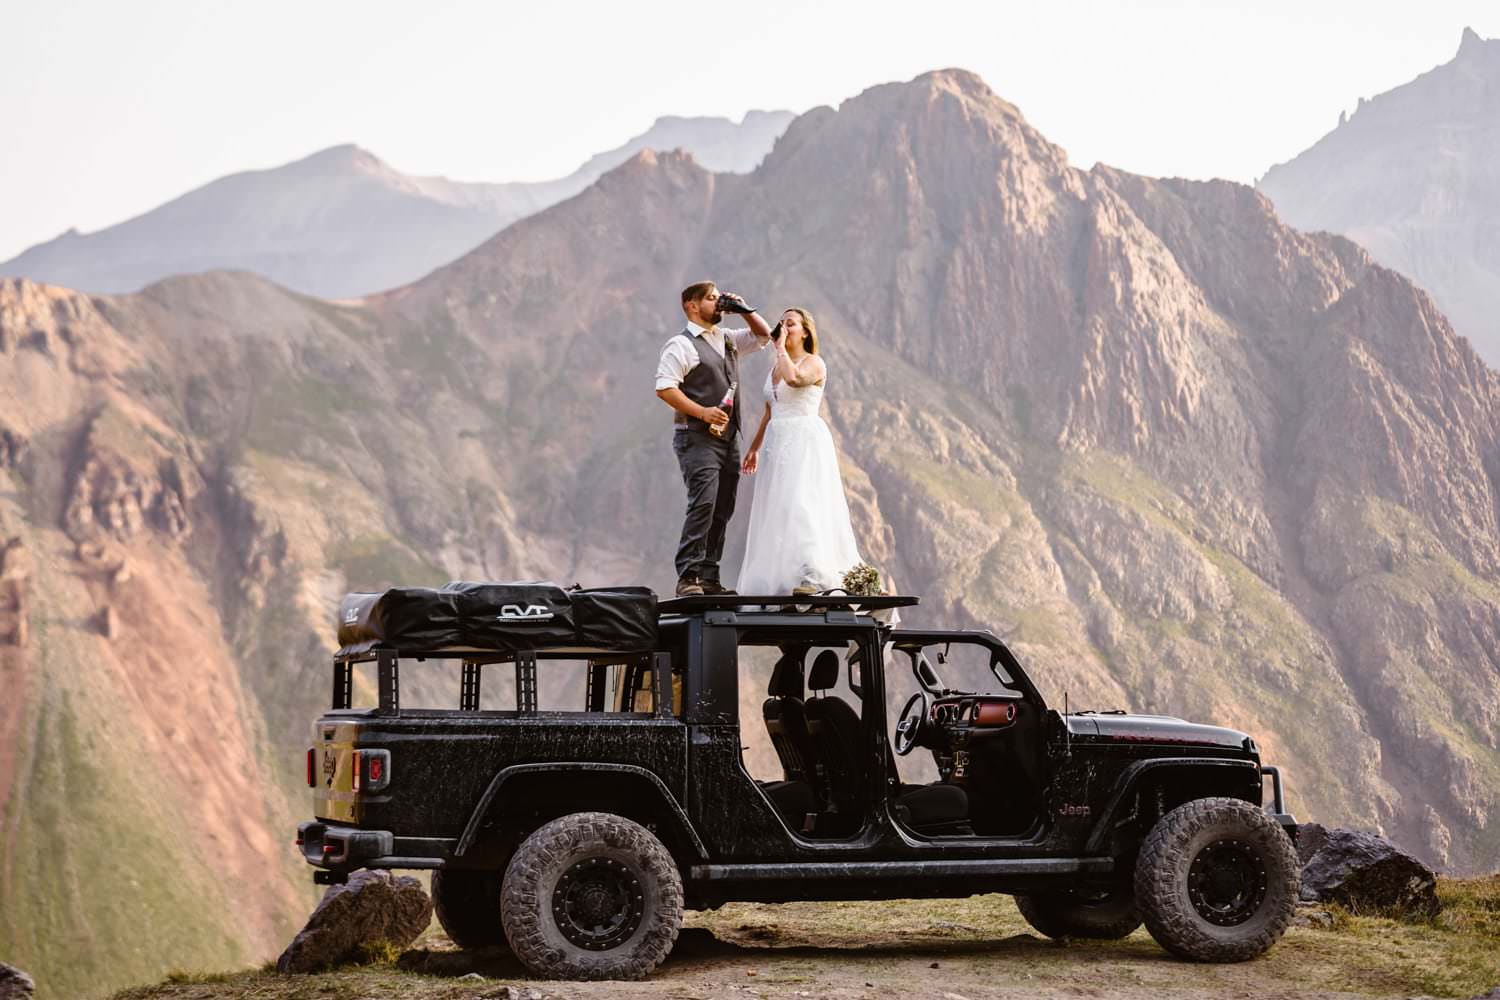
x: 592, y: 896
x: 1217, y: 881
x: 1106, y: 915
x: 467, y: 904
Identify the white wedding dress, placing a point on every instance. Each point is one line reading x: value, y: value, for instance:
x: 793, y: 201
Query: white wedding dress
x: 799, y: 519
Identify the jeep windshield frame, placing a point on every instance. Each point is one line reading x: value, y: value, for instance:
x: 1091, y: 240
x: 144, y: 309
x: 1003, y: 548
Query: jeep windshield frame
x: 915, y: 641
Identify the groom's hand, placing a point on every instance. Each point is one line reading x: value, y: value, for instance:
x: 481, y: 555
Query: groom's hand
x: 730, y: 302
x: 714, y: 415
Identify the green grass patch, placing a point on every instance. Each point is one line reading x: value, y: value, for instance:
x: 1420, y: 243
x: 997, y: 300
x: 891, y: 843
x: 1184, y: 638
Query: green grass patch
x: 375, y: 562
x: 299, y: 415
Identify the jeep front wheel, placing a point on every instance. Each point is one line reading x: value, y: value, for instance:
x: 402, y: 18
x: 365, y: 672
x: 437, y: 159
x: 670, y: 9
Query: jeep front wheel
x: 591, y: 896
x: 467, y: 904
x: 1105, y: 915
x: 1216, y: 880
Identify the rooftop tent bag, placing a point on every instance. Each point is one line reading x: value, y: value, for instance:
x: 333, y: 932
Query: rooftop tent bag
x: 499, y: 616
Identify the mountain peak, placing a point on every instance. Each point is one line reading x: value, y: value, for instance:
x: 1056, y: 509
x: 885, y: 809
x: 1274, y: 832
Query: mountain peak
x: 1412, y: 177
x: 965, y: 85
x: 1471, y: 46
x: 964, y: 81
x: 666, y: 159
x: 343, y: 157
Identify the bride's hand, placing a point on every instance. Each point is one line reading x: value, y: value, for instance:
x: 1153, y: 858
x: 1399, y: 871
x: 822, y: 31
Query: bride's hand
x: 751, y: 462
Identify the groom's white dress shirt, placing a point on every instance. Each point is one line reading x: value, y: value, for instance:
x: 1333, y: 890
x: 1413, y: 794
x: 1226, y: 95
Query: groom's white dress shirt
x: 678, y: 356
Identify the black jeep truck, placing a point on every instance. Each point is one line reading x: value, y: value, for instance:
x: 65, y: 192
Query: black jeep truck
x: 578, y: 832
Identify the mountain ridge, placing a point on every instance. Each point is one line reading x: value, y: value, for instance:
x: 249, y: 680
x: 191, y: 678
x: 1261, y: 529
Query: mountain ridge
x: 1410, y: 176
x: 342, y: 223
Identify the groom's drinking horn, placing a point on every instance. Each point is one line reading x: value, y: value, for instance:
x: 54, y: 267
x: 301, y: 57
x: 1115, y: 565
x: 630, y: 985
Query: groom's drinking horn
x: 730, y: 302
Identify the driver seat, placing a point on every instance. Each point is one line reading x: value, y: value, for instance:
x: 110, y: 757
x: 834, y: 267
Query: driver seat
x: 935, y: 808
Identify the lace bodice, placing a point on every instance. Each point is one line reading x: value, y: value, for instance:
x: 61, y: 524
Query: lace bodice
x: 790, y: 401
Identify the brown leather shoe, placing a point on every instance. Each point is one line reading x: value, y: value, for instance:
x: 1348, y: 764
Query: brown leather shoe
x: 713, y: 588
x: 689, y: 586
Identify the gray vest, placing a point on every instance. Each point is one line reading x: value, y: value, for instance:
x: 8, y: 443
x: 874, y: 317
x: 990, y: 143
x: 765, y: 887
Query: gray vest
x: 708, y: 381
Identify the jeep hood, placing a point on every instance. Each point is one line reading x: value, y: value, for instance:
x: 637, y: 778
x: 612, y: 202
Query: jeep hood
x: 1162, y: 730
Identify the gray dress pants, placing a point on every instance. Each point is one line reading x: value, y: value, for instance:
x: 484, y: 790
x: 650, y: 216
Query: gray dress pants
x: 711, y: 471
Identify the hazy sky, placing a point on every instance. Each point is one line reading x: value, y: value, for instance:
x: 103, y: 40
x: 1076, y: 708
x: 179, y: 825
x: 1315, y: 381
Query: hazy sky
x: 110, y: 108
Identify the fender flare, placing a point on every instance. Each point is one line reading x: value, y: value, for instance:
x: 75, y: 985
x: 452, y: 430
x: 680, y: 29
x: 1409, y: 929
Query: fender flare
x: 674, y: 809
x: 1132, y: 776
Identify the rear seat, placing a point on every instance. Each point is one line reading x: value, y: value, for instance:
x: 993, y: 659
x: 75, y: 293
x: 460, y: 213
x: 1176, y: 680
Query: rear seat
x: 795, y: 798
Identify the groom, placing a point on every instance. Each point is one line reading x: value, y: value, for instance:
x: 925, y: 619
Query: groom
x: 698, y: 370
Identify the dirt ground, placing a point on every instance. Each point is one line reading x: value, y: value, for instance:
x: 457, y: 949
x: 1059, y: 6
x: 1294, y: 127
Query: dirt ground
x: 945, y: 949
x: 975, y: 949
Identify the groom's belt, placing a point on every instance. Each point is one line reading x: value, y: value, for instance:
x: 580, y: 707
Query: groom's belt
x: 702, y: 425
x: 683, y: 422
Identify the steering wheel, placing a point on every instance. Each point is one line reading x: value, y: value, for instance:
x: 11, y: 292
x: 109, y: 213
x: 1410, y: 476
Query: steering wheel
x: 909, y: 724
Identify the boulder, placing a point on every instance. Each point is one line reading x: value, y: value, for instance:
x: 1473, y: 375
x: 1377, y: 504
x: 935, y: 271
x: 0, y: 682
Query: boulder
x: 1364, y: 871
x: 15, y: 984
x: 1310, y: 839
x: 372, y: 906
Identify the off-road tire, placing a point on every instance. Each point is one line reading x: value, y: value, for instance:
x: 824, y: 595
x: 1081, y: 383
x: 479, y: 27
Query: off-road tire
x: 1076, y: 915
x: 1267, y: 862
x: 467, y: 904
x: 623, y: 856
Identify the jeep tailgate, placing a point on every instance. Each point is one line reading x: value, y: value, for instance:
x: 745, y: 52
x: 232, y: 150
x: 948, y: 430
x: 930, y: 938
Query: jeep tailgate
x: 331, y: 772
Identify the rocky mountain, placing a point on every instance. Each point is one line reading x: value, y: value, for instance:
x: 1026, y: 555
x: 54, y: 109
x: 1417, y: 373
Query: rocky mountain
x: 1186, y: 458
x: 1413, y: 176
x: 342, y: 223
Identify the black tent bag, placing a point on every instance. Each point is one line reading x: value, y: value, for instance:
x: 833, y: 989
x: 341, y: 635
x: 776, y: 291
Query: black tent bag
x: 502, y: 616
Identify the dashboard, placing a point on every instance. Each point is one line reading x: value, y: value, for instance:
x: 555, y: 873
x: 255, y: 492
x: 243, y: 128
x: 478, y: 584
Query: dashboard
x: 975, y: 712
x: 961, y: 724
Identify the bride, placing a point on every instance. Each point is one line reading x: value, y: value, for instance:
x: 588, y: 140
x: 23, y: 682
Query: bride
x: 800, y: 540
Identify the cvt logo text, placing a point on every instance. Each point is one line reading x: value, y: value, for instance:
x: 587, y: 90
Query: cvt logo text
x: 530, y: 613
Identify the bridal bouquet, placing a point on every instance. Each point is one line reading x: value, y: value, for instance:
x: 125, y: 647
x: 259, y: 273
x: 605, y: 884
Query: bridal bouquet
x: 863, y: 580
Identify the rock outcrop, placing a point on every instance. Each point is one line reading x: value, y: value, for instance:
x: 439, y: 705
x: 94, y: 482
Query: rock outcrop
x: 15, y: 984
x: 13, y: 449
x: 372, y: 906
x: 1364, y: 872
x: 16, y: 566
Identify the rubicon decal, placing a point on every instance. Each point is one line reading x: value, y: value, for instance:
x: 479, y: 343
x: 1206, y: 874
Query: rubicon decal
x: 530, y: 613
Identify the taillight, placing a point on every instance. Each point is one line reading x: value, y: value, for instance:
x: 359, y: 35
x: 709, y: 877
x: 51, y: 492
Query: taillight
x: 372, y: 770
x: 312, y: 756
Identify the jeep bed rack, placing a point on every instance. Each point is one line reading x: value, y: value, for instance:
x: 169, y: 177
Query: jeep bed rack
x: 782, y: 602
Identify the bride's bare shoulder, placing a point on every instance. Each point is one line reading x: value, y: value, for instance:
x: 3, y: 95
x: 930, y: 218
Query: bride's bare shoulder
x: 815, y: 369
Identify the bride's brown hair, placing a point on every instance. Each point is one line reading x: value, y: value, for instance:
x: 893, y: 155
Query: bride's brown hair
x: 810, y: 330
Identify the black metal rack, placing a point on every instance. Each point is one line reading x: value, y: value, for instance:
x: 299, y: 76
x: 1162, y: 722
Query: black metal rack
x: 783, y: 603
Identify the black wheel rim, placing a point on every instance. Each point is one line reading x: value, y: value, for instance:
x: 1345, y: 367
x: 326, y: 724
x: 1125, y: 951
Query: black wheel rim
x: 1227, y: 883
x: 597, y: 903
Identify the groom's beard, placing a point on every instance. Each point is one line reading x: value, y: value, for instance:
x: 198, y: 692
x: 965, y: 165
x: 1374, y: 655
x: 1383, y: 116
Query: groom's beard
x: 716, y: 318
